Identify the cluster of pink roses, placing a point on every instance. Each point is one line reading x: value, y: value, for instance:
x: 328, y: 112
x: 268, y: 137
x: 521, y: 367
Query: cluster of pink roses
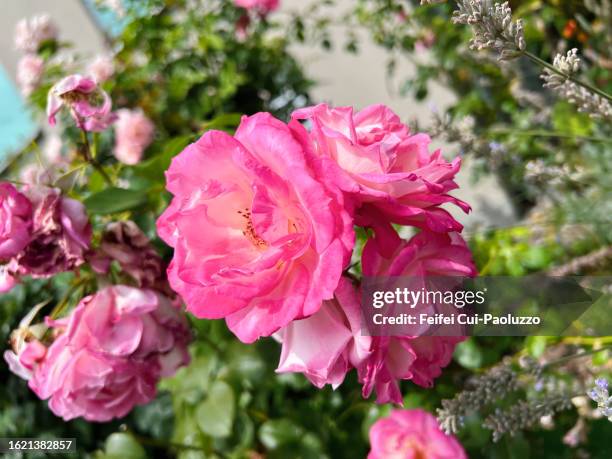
x: 107, y: 356
x: 42, y: 233
x: 262, y: 225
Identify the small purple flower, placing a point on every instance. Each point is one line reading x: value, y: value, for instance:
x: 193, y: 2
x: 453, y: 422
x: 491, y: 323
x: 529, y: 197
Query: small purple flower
x: 90, y: 106
x: 496, y: 146
x: 539, y: 385
x: 601, y: 382
x: 599, y: 394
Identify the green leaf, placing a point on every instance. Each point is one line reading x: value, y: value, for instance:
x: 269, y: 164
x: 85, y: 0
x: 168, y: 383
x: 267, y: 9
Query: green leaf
x: 122, y: 446
x: 535, y: 345
x: 225, y: 121
x: 154, y: 168
x: 601, y: 358
x: 215, y: 415
x: 566, y: 118
x: 113, y: 200
x: 468, y: 354
x: 278, y: 432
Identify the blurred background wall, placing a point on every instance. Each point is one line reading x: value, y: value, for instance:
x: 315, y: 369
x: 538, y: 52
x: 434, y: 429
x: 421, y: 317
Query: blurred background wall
x: 341, y: 79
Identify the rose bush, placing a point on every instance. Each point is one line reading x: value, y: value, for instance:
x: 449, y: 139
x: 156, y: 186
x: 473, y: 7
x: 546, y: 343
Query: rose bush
x: 262, y: 224
x: 133, y: 238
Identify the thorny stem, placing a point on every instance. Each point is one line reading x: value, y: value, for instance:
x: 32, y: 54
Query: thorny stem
x: 91, y: 160
x: 572, y: 78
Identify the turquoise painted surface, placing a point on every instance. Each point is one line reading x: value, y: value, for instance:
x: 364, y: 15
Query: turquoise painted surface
x: 106, y: 19
x: 16, y: 125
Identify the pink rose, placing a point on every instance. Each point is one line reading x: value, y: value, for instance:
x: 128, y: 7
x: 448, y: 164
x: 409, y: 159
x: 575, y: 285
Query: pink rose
x: 412, y: 434
x: 326, y: 345
x: 31, y: 33
x: 133, y: 133
x: 110, y: 353
x: 15, y: 221
x: 420, y: 358
x: 60, y: 236
x: 101, y: 68
x: 258, y: 239
x: 29, y: 73
x: 372, y: 156
x: 262, y: 6
x: 90, y: 106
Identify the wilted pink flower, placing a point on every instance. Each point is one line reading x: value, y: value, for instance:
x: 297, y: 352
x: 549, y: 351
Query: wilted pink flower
x: 125, y: 243
x: 26, y: 349
x: 101, y: 68
x: 133, y: 133
x: 412, y: 434
x: 262, y: 6
x: 419, y: 358
x: 258, y: 239
x: 372, y: 156
x: 326, y: 345
x: 90, y: 106
x: 30, y: 33
x: 15, y: 221
x: 29, y: 73
x: 109, y: 354
x: 61, y: 234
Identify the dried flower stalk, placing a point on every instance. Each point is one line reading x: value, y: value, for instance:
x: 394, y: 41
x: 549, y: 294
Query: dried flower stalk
x: 525, y: 414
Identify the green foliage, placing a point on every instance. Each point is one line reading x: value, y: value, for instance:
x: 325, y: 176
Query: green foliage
x: 113, y: 200
x: 187, y: 69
